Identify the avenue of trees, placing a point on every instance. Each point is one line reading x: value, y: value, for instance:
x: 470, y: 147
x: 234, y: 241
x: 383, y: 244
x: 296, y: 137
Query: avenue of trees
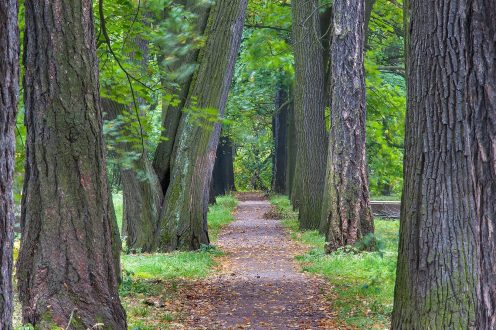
x: 166, y: 101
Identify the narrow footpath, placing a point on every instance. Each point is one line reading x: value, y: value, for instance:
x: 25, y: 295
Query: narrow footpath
x: 260, y: 285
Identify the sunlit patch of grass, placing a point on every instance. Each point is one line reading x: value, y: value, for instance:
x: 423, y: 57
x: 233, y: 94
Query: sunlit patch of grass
x: 363, y: 282
x: 168, y: 265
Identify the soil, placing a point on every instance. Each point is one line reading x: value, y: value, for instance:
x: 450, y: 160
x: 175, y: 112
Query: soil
x: 259, y: 285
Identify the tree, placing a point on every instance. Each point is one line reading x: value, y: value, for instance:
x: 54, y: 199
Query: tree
x: 280, y: 134
x: 183, y: 219
x: 68, y: 261
x: 346, y: 213
x: 223, y: 174
x: 447, y: 250
x: 309, y: 107
x: 9, y: 89
x: 142, y: 194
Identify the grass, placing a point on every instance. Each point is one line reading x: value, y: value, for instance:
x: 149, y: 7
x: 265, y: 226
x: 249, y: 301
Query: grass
x: 393, y: 198
x: 220, y: 215
x: 362, y: 282
x: 118, y: 206
x: 157, y: 276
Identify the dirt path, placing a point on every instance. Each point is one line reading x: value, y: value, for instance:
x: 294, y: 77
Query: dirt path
x: 260, y: 286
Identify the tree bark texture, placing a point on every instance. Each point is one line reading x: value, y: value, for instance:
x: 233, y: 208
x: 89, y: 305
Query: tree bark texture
x: 183, y: 222
x: 223, y: 175
x: 66, y: 270
x: 280, y: 135
x: 346, y: 213
x: 309, y: 112
x: 446, y: 275
x: 9, y: 90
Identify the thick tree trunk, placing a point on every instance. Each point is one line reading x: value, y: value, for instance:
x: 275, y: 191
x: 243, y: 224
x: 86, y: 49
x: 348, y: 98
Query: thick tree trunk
x: 309, y: 112
x: 9, y: 89
x: 66, y: 270
x: 183, y: 214
x: 223, y: 174
x: 447, y: 253
x: 346, y: 213
x: 280, y: 135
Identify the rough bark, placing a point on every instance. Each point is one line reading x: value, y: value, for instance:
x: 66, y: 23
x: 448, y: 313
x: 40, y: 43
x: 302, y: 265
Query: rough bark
x: 183, y: 219
x: 346, y: 215
x: 446, y: 262
x: 223, y: 174
x: 280, y: 135
x: 66, y: 270
x: 9, y: 89
x: 309, y: 112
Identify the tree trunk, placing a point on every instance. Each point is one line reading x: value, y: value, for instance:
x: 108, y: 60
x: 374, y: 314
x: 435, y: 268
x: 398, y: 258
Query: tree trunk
x: 280, y: 135
x: 9, y: 90
x: 142, y: 194
x: 66, y: 269
x: 183, y: 213
x: 223, y: 175
x: 447, y: 251
x: 346, y: 213
x: 309, y: 112
x: 164, y: 157
x: 292, y: 149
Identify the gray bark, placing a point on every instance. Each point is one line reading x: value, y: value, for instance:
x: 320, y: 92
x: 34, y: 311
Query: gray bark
x: 346, y: 215
x: 447, y: 252
x: 9, y: 89
x: 183, y: 214
x: 68, y: 261
x: 309, y: 112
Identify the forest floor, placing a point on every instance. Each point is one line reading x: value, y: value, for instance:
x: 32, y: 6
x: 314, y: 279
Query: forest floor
x: 259, y: 285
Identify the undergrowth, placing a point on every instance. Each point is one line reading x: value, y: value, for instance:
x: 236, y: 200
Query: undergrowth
x: 151, y: 281
x: 362, y: 282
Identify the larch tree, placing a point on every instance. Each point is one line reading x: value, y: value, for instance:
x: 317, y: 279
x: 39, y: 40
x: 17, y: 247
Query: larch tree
x: 9, y: 89
x: 346, y: 215
x: 309, y: 107
x: 68, y: 261
x: 447, y: 250
x: 183, y: 217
